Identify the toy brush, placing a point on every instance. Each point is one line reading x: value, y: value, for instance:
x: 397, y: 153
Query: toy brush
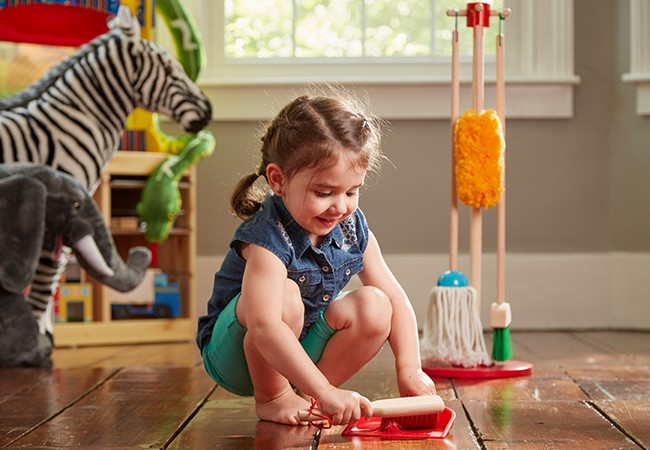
x: 501, y: 315
x: 406, y: 413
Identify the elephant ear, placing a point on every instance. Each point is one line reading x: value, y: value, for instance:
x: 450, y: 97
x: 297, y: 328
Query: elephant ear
x: 22, y: 222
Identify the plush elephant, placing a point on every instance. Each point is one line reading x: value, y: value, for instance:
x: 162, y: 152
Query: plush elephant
x: 42, y: 210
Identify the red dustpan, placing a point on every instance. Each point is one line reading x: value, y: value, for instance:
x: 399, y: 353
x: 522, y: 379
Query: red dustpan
x: 373, y: 428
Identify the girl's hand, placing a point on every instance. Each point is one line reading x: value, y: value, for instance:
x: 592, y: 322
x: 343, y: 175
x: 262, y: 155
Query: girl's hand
x: 344, y: 407
x: 413, y: 382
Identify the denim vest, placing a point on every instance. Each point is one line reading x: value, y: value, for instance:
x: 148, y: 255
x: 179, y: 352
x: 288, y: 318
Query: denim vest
x: 321, y: 273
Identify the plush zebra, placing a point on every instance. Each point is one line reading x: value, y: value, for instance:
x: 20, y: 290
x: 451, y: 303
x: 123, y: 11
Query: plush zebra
x: 73, y: 118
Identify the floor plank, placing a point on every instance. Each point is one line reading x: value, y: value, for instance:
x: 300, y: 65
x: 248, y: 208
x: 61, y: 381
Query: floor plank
x: 30, y: 396
x: 521, y: 388
x: 633, y: 416
x: 183, y: 354
x: 228, y: 422
x: 137, y: 408
x: 556, y: 346
x: 87, y: 357
x: 605, y: 367
x: 532, y: 425
x: 631, y: 343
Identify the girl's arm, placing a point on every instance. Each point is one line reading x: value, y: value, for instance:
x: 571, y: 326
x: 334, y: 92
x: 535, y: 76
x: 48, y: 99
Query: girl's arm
x: 403, y: 338
x: 260, y: 311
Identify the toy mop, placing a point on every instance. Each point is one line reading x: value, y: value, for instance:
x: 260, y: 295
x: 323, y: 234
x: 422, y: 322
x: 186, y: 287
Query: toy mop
x: 422, y: 417
x: 453, y: 344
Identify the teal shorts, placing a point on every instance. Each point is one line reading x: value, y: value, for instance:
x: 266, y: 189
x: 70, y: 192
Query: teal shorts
x: 224, y: 359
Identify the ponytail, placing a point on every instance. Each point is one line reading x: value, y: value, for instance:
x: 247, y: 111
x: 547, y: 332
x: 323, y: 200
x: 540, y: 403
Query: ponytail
x: 246, y: 199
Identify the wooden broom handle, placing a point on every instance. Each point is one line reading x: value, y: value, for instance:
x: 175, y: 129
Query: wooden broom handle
x: 501, y: 207
x: 393, y: 407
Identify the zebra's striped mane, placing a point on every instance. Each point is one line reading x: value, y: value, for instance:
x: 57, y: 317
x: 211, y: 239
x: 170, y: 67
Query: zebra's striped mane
x: 39, y: 87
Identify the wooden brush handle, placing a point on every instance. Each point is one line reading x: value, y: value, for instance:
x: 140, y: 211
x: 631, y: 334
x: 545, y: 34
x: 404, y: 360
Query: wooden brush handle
x: 501, y: 207
x: 393, y: 407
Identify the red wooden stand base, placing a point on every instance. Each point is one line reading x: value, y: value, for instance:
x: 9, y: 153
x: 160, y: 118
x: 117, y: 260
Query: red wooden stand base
x: 500, y: 369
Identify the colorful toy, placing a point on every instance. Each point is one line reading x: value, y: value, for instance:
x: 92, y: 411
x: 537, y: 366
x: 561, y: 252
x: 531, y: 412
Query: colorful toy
x: 155, y: 297
x: 75, y: 303
x: 399, y: 418
x: 161, y: 199
x: 160, y: 202
x: 42, y: 210
x: 453, y: 343
x: 76, y: 125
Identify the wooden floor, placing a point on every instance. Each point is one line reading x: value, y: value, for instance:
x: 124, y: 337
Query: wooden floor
x: 589, y: 390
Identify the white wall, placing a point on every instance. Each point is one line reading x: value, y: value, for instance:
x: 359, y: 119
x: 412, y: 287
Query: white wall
x: 545, y: 291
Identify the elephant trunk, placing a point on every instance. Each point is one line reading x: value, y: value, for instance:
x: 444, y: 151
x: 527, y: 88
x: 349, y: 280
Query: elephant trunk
x: 93, y: 244
x: 113, y: 272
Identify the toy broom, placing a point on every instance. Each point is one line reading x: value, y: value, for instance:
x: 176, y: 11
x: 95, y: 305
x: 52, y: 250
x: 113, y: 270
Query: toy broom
x: 399, y: 418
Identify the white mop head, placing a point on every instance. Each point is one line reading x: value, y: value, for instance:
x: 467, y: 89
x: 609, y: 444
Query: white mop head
x: 453, y: 334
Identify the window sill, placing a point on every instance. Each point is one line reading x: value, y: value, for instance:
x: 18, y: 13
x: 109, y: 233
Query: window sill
x: 642, y: 82
x: 392, y: 99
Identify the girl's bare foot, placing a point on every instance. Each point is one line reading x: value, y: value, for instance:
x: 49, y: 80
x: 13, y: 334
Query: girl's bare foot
x: 281, y: 409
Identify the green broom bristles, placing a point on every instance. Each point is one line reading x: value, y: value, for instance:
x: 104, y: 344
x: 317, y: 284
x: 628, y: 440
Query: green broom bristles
x: 502, y: 345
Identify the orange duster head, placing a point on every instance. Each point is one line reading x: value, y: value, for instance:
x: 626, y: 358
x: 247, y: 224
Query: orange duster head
x: 479, y: 158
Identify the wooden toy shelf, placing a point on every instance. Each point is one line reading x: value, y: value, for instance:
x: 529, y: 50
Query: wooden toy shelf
x: 116, y: 196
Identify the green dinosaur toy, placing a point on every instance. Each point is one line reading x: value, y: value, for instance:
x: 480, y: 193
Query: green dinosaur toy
x: 160, y: 201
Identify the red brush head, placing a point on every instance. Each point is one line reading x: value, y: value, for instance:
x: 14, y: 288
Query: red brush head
x: 399, y: 424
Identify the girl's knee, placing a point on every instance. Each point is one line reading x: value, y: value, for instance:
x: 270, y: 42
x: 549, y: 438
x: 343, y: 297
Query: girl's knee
x: 374, y: 310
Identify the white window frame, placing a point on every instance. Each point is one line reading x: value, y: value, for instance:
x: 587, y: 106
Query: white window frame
x: 539, y: 71
x: 639, y: 73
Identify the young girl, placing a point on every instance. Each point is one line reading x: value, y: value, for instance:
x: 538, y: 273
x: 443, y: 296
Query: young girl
x: 278, y: 318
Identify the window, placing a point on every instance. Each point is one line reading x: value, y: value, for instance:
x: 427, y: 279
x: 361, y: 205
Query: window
x: 301, y: 29
x: 640, y: 54
x: 249, y: 78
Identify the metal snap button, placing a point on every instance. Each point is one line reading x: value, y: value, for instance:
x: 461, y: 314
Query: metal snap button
x: 326, y: 269
x: 348, y: 272
x: 326, y: 298
x: 302, y: 279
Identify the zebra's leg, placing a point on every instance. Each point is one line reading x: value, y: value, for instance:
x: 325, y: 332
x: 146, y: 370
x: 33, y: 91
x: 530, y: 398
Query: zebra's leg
x: 46, y: 280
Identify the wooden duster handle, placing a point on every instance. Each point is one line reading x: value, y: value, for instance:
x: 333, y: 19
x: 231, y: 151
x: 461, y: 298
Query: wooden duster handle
x: 393, y: 407
x: 476, y: 220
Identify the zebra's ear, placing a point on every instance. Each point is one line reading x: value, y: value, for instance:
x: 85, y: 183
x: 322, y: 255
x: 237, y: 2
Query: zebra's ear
x: 126, y: 22
x: 22, y: 225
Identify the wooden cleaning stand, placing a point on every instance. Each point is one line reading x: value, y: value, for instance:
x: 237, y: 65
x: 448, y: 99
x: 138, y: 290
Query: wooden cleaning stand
x: 478, y: 17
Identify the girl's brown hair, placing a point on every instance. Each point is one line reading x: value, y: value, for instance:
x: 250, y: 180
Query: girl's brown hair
x: 309, y: 133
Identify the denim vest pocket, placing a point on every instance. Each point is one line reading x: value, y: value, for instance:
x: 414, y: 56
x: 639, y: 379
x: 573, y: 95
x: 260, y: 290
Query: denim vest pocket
x: 346, y: 271
x: 309, y: 282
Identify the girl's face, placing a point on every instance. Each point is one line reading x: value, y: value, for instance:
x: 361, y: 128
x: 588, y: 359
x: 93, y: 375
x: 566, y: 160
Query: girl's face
x: 318, y: 199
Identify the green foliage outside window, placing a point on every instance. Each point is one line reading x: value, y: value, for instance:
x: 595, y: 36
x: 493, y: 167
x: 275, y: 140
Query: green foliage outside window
x: 347, y: 28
